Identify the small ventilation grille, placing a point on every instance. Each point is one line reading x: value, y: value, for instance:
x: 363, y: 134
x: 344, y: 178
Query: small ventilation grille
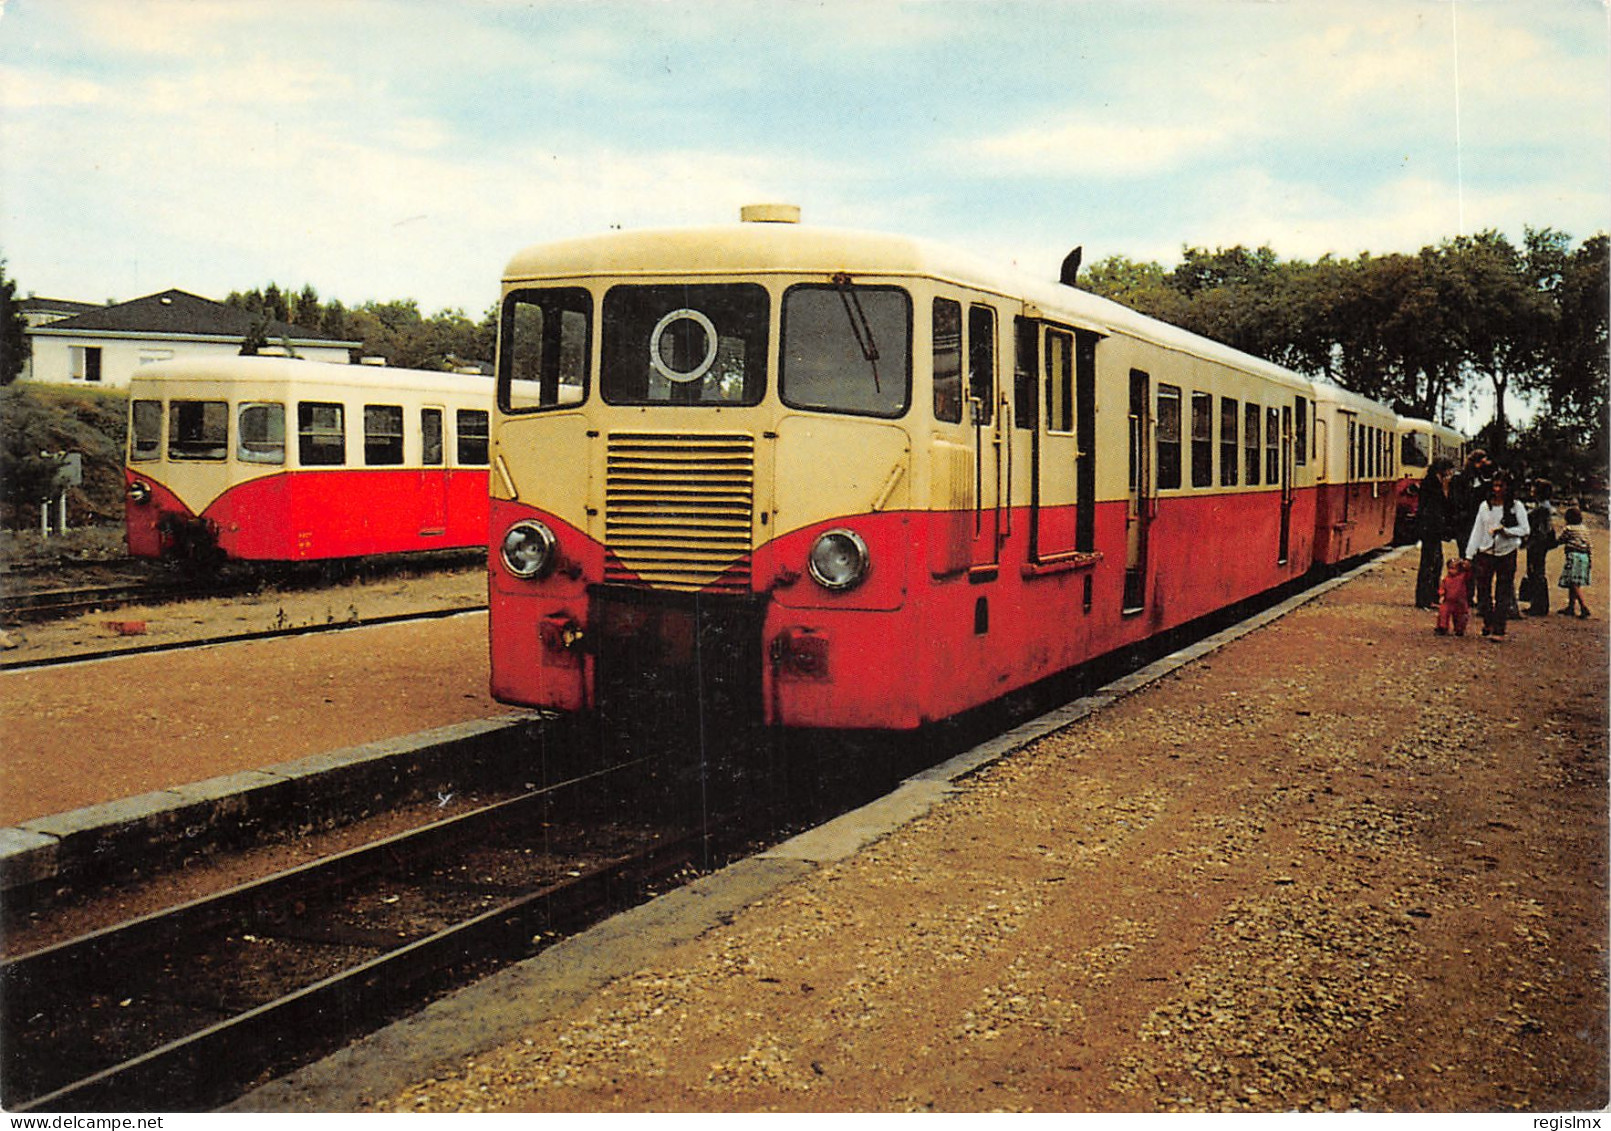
x: 677, y: 510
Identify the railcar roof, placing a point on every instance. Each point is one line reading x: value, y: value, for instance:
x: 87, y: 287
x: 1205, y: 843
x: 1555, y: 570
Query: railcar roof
x: 1419, y: 424
x: 291, y: 370
x: 1357, y: 402
x: 800, y: 249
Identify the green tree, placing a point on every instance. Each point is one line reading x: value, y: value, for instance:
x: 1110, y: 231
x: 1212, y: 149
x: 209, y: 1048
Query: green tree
x: 13, y: 330
x: 306, y: 310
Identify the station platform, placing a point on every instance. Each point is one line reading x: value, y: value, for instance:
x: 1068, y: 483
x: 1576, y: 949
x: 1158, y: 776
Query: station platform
x: 1326, y: 862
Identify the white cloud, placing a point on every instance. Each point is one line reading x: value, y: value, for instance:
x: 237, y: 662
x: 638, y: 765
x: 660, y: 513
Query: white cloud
x: 168, y: 27
x: 25, y: 89
x: 1096, y: 148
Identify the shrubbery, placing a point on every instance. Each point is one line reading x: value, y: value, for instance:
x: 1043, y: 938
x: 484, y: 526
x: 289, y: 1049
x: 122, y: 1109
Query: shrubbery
x: 35, y: 419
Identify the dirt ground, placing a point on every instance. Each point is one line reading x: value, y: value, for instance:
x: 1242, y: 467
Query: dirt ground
x: 1341, y: 864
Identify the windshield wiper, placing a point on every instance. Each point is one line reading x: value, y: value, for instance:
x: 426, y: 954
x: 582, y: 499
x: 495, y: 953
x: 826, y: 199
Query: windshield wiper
x: 859, y: 325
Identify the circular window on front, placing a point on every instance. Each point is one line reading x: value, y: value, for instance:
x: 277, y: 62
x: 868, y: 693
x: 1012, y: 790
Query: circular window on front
x: 682, y: 347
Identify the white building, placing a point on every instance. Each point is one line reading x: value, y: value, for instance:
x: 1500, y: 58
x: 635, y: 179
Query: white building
x: 105, y: 345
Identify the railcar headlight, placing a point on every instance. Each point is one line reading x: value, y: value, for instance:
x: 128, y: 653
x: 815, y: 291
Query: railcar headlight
x: 838, y: 560
x: 139, y: 492
x: 528, y: 548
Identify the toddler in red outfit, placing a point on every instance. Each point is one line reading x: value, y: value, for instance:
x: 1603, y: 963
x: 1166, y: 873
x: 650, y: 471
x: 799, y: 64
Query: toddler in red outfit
x: 1454, y: 598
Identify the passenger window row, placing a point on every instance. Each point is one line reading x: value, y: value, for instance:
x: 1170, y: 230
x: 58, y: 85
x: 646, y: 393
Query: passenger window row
x: 1249, y: 439
x: 199, y: 430
x: 1370, y: 452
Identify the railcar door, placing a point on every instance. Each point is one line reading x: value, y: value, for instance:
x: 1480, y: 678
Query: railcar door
x: 1351, y: 466
x: 1054, y: 400
x: 1137, y: 516
x: 984, y: 412
x: 1286, y: 485
x: 433, y: 476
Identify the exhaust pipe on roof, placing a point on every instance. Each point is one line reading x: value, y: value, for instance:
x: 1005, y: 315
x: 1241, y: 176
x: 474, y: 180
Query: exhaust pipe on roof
x: 769, y: 214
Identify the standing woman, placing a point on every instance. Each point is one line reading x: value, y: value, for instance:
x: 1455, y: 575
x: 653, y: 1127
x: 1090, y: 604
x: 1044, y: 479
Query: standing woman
x: 1431, y: 517
x: 1496, y: 534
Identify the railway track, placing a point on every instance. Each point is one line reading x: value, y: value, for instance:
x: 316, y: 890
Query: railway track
x: 32, y: 596
x: 183, y: 1009
x: 51, y: 604
x: 236, y: 638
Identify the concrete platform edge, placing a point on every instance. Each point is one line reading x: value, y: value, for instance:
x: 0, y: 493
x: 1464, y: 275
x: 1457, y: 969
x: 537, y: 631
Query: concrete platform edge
x: 496, y: 1009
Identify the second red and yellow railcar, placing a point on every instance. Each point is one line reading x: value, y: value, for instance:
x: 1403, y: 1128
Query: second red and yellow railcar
x: 266, y: 459
x: 816, y: 478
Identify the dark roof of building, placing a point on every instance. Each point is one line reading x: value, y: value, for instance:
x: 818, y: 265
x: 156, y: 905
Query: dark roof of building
x: 55, y: 305
x: 180, y: 313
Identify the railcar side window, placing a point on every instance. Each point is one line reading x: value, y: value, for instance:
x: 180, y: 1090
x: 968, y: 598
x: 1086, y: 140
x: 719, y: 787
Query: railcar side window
x: 1272, y: 446
x: 145, y: 430
x: 431, y: 437
x: 1025, y: 369
x: 383, y: 435
x: 321, y: 434
x: 198, y: 430
x: 260, y: 432
x: 1059, y: 381
x: 1250, y: 444
x: 684, y: 344
x: 1230, y: 458
x: 543, y: 348
x: 1168, y: 437
x: 947, y: 360
x: 847, y: 348
x: 1300, y: 421
x: 982, y: 361
x: 471, y: 427
x: 1202, y: 440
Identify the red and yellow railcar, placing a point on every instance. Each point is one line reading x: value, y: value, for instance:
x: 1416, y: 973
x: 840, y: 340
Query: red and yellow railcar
x: 1421, y: 444
x: 818, y: 478
x: 267, y: 459
x: 1357, y: 448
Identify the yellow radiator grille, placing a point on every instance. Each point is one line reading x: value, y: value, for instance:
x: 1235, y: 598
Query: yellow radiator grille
x: 677, y: 509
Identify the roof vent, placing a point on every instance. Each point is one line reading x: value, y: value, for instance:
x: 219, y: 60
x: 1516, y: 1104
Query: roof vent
x: 770, y: 214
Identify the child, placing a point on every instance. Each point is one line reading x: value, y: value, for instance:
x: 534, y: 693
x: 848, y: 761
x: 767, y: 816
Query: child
x: 1454, y: 598
x: 1575, y: 573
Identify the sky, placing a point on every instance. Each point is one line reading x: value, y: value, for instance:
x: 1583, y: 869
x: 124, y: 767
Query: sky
x: 395, y: 149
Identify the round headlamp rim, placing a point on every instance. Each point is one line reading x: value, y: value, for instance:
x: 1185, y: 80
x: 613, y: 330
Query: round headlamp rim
x: 863, y: 559
x: 545, y: 537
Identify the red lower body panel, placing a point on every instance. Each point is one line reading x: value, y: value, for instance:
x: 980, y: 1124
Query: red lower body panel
x: 906, y: 647
x: 1353, y: 519
x: 316, y: 515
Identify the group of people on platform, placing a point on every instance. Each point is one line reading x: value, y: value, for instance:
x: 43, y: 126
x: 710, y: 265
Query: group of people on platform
x: 1478, y: 508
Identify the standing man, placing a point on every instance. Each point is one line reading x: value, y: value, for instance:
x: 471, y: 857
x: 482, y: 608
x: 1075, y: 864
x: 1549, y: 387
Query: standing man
x: 1431, y: 523
x: 1540, y: 541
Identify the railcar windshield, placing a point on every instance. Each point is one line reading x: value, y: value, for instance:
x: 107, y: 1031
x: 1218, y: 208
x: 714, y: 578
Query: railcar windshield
x: 261, y: 432
x: 847, y: 348
x: 543, y: 348
x: 145, y: 435
x: 681, y: 344
x: 198, y: 430
x: 1414, y: 452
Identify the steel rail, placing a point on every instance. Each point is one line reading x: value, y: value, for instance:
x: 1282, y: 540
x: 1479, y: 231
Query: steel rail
x: 236, y: 638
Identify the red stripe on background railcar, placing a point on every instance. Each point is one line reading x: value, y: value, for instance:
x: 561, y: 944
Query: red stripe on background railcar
x: 280, y: 460
x: 832, y: 479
